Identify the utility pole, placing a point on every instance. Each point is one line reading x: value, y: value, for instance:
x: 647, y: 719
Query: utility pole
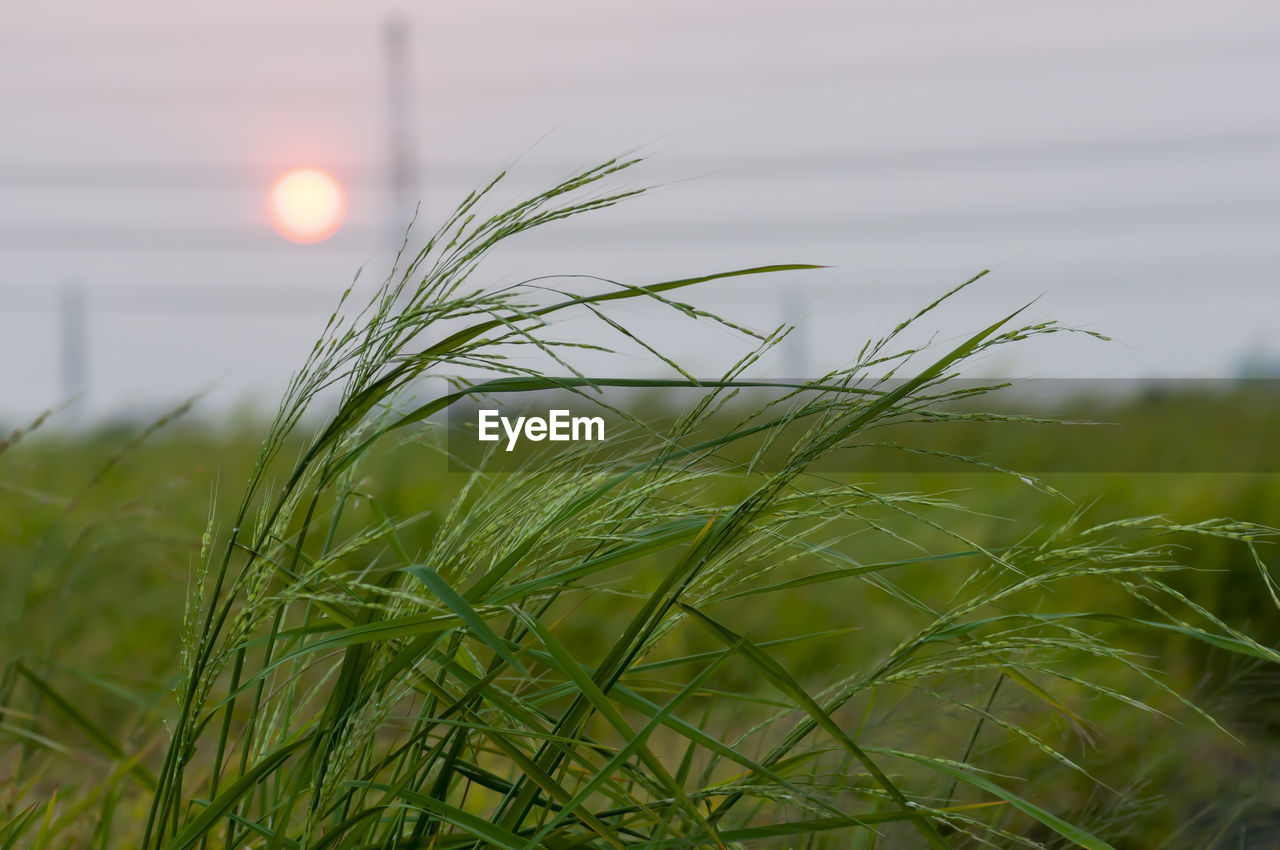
x: 795, y: 348
x: 73, y: 349
x: 402, y: 174
x: 402, y: 170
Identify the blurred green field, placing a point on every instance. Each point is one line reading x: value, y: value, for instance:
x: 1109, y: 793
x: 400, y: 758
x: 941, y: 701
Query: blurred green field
x: 321, y: 634
x: 99, y: 534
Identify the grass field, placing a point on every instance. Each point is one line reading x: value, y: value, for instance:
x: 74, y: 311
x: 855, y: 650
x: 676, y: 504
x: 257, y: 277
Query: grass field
x: 314, y: 634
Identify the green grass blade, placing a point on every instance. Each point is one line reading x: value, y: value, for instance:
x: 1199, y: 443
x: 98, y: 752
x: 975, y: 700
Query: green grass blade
x: 784, y: 682
x: 226, y: 801
x: 1081, y: 837
x: 82, y: 722
x: 456, y: 603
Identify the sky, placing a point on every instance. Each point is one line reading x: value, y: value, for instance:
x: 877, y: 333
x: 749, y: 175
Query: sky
x: 1116, y: 164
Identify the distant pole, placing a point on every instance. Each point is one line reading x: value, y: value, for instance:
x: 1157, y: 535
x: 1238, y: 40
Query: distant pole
x: 73, y: 349
x: 795, y: 348
x: 401, y: 171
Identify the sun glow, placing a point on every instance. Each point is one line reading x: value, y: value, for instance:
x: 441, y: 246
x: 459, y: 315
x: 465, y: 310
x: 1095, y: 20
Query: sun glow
x: 307, y: 205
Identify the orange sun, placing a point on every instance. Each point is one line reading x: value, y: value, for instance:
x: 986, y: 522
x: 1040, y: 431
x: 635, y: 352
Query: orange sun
x: 307, y: 205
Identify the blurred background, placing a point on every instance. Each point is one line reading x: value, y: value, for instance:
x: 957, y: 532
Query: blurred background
x: 186, y: 189
x: 1119, y: 161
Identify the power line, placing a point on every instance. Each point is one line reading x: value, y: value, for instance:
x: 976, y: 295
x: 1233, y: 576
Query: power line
x: 657, y: 80
x: 165, y: 240
x: 297, y: 37
x: 275, y: 299
x: 825, y: 163
x: 1219, y: 212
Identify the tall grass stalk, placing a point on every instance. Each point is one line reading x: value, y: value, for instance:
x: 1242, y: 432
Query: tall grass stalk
x: 352, y: 678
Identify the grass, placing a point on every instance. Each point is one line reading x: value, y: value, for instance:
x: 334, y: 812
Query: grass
x: 621, y: 650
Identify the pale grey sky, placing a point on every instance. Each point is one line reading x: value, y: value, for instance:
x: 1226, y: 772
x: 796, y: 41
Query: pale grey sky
x: 1121, y: 159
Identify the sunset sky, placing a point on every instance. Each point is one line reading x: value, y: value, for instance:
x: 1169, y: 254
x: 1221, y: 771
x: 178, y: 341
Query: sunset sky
x: 1118, y: 160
